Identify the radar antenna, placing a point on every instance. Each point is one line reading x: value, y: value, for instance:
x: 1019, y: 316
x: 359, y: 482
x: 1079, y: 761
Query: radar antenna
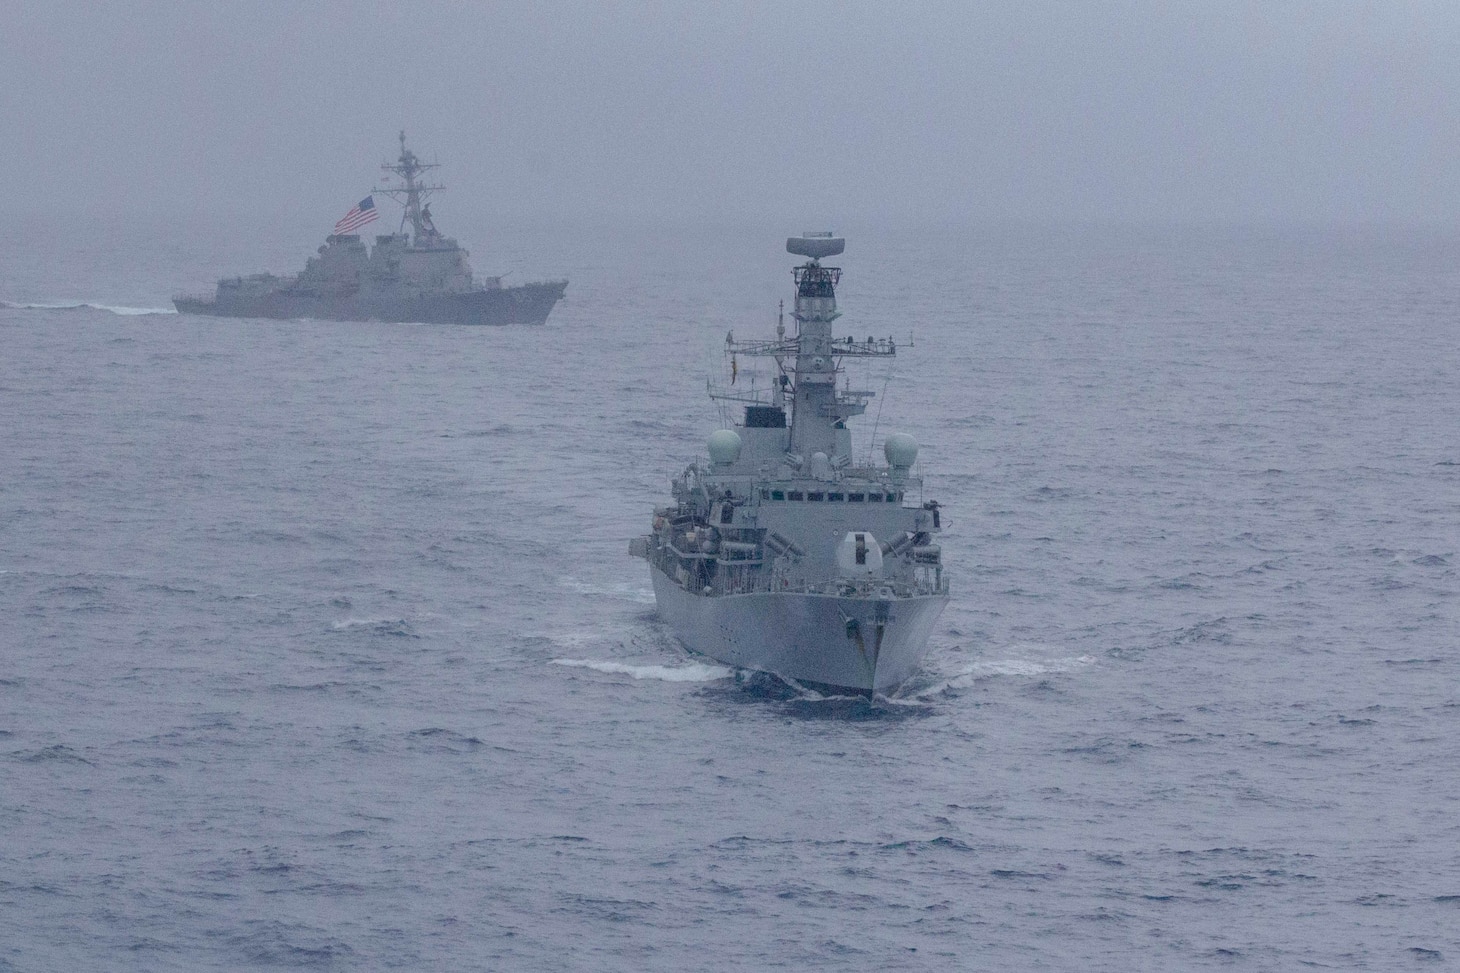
x: 413, y: 193
x: 809, y: 362
x: 815, y: 245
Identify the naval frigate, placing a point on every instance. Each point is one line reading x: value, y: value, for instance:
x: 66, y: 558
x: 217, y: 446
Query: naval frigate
x: 418, y: 276
x: 782, y: 554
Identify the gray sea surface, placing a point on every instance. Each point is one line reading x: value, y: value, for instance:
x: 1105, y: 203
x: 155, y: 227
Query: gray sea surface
x: 320, y: 647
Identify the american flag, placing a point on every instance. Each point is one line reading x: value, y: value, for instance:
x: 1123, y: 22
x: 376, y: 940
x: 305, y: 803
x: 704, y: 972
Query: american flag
x: 363, y: 213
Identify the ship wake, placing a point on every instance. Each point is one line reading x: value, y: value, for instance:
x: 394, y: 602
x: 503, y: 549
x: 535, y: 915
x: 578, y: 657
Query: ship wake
x: 969, y: 675
x: 87, y: 306
x: 692, y: 672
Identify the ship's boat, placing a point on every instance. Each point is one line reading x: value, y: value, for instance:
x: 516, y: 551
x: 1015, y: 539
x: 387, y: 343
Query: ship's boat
x: 415, y: 274
x: 782, y: 553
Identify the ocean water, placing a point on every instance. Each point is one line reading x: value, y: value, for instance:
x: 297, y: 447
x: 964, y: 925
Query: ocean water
x: 320, y: 647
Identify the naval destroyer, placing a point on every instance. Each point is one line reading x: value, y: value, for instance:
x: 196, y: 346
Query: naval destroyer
x: 419, y: 276
x: 782, y: 554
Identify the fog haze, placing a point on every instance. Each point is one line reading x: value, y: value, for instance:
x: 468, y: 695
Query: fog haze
x: 682, y: 111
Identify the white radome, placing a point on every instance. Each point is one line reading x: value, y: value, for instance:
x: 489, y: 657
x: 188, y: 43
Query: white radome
x: 725, y: 446
x: 901, y: 450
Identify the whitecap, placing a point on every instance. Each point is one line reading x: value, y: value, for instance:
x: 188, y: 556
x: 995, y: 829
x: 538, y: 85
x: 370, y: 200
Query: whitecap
x: 378, y: 626
x: 693, y: 672
x: 349, y: 623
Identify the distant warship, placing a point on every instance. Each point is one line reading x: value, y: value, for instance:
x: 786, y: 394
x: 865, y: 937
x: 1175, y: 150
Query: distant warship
x: 781, y: 554
x: 421, y: 277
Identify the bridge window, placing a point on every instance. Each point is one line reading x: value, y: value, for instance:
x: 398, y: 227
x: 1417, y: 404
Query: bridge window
x: 778, y: 494
x: 855, y: 498
x: 894, y: 497
x: 815, y: 496
x: 834, y: 497
x: 794, y: 495
x: 874, y: 498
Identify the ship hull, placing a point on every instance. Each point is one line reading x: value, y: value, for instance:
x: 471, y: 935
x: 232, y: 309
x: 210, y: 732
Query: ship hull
x: 526, y: 304
x: 864, y: 644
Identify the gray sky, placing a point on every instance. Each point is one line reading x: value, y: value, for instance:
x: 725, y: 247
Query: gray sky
x: 1137, y: 110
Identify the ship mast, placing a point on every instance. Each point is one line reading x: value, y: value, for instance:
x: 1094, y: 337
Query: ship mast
x: 413, y: 193
x: 810, y: 362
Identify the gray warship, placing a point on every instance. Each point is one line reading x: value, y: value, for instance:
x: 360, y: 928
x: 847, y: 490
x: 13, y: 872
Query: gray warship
x: 420, y: 276
x: 783, y: 555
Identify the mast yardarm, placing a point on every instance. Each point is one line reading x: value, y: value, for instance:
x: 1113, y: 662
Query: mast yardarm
x: 414, y: 193
x: 810, y: 362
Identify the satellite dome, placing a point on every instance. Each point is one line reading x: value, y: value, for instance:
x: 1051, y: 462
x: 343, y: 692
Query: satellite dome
x: 901, y: 450
x: 725, y: 446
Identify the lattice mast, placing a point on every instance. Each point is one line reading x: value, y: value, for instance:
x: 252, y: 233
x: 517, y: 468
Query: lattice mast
x: 414, y: 193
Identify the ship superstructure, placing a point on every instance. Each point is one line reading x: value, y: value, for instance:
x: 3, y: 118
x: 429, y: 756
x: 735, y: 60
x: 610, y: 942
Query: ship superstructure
x: 415, y: 274
x: 782, y: 553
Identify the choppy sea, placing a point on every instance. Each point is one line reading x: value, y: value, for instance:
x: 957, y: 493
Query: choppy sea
x: 320, y: 647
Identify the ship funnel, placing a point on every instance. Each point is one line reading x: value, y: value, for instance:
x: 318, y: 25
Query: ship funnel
x: 816, y: 245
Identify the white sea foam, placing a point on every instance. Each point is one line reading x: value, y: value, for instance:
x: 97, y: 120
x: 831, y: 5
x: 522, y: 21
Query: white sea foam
x: 80, y: 305
x: 916, y: 701
x: 631, y: 592
x: 988, y: 668
x: 373, y: 623
x: 1026, y: 667
x: 133, y: 311
x: 576, y: 638
x: 808, y: 695
x: 693, y: 672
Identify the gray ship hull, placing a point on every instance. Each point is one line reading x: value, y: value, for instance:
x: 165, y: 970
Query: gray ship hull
x: 866, y: 644
x: 525, y: 304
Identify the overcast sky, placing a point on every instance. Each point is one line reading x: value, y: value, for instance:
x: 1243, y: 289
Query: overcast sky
x: 1139, y: 110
